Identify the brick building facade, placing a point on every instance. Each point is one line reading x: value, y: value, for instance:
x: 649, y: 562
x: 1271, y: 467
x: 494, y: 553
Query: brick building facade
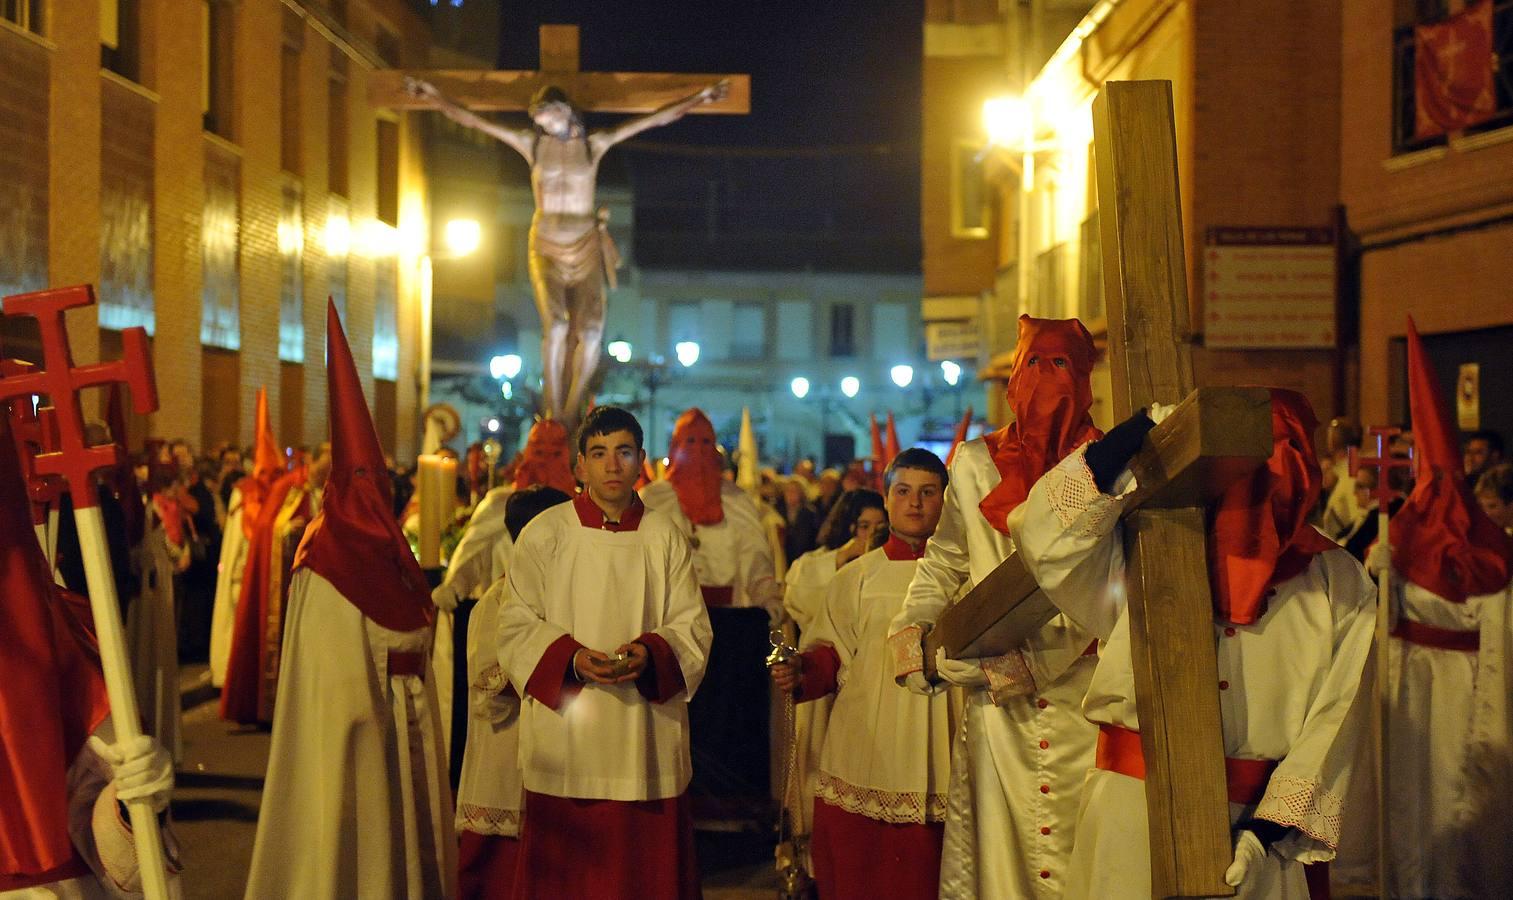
x: 214, y: 168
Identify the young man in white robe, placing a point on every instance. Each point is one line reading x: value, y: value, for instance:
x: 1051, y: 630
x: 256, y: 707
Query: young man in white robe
x: 732, y: 556
x: 490, y: 795
x: 1292, y: 625
x: 606, y: 631
x: 880, y: 811
x: 1449, y: 741
x: 845, y: 536
x: 1024, y: 746
x: 356, y: 802
x: 62, y: 835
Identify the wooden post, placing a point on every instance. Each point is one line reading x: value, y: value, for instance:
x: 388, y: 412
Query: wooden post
x: 1170, y: 608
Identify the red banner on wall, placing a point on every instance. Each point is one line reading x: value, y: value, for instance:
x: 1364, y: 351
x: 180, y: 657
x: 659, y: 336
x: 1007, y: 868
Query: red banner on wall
x: 1453, y: 72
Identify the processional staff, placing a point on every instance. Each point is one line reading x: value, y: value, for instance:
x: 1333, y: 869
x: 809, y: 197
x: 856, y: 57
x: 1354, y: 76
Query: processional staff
x: 72, y: 464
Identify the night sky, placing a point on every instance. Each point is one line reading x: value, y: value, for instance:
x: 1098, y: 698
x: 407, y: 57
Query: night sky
x: 824, y: 173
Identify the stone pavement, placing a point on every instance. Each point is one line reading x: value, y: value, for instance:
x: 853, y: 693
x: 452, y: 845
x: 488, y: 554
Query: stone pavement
x: 220, y: 783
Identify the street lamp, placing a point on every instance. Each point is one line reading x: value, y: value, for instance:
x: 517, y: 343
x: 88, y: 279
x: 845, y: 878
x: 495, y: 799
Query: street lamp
x: 462, y: 236
x: 950, y: 371
x: 619, y: 350
x: 902, y: 375
x: 508, y: 390
x: 493, y: 425
x: 688, y: 353
x: 800, y: 387
x: 850, y: 385
x: 506, y: 366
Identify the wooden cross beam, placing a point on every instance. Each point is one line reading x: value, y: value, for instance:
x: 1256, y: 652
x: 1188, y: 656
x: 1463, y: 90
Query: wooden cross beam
x: 1212, y: 439
x: 1166, y: 556
x: 511, y: 90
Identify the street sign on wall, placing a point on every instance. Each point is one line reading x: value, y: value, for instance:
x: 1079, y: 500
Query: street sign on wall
x: 1269, y: 288
x: 951, y: 340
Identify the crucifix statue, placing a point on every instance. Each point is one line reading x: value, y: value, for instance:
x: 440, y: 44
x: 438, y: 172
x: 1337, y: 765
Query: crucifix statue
x: 571, y: 256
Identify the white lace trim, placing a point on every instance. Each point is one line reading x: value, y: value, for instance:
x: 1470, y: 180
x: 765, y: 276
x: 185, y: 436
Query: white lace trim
x: 908, y: 651
x: 1008, y: 676
x: 1305, y: 805
x: 1075, y: 499
x: 894, y: 807
x: 488, y: 820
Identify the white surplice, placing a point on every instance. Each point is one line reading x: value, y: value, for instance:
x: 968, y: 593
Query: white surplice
x: 603, y: 588
x: 1450, y: 751
x: 490, y: 794
x: 228, y: 587
x: 887, y: 750
x: 1289, y: 689
x: 735, y: 553
x: 805, y: 585
x: 356, y: 802
x: 1017, y: 763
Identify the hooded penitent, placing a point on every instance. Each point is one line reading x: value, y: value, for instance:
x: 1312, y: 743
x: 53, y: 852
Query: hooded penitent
x: 355, y: 542
x: 1441, y: 539
x: 54, y: 693
x: 694, y: 468
x: 267, y: 466
x: 547, y: 459
x: 1050, y: 394
x: 1259, y: 531
x: 891, y: 447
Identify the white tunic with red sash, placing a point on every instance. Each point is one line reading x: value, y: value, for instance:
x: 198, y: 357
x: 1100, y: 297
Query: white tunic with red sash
x: 732, y: 560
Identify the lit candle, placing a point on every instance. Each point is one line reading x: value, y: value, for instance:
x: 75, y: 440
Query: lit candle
x: 434, y: 480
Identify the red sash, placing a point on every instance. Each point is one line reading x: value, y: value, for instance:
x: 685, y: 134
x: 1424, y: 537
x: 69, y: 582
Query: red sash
x: 1439, y: 638
x: 1119, y: 751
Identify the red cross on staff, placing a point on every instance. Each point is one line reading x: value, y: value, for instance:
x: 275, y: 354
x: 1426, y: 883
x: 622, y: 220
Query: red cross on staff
x: 1383, y: 462
x: 35, y: 431
x: 74, y: 463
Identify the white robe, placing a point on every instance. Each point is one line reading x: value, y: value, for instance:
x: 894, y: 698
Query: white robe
x: 603, y: 589
x: 153, y: 637
x: 228, y: 588
x: 490, y: 794
x: 1450, y: 751
x: 1002, y: 829
x: 356, y: 802
x: 806, y: 582
x: 1289, y: 690
x: 887, y: 751
x: 736, y: 552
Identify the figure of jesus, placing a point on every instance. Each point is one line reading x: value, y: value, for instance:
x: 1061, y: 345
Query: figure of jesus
x: 570, y: 251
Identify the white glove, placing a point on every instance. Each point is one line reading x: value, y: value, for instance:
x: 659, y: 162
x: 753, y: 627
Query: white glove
x: 445, y: 597
x: 919, y: 684
x: 1159, y: 411
x: 142, y: 770
x: 1248, y: 852
x: 960, y: 672
x: 1379, y: 558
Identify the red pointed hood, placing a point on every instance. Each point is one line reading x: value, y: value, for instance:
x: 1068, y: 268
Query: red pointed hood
x: 891, y: 448
x: 355, y: 542
x: 267, y: 465
x: 1050, y: 391
x: 694, y: 468
x: 54, y: 694
x: 548, y: 458
x: 879, y: 453
x: 960, y: 437
x: 1441, y: 539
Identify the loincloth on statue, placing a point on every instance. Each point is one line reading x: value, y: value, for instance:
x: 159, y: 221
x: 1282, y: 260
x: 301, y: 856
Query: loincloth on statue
x: 574, y: 262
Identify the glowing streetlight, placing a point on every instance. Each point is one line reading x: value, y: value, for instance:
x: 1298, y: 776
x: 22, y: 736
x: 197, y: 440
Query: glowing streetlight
x: 619, y: 350
x: 492, y: 425
x: 1007, y: 121
x: 902, y: 375
x: 462, y: 236
x: 850, y: 385
x: 508, y: 390
x: 506, y: 366
x: 800, y: 387
x: 688, y: 353
x: 950, y: 371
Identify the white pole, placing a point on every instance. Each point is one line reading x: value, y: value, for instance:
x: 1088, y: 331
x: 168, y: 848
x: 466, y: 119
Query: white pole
x: 118, y: 687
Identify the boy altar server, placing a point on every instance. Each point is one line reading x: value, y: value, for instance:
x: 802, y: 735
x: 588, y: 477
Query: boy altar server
x: 880, y: 804
x: 1293, y: 618
x: 606, y: 630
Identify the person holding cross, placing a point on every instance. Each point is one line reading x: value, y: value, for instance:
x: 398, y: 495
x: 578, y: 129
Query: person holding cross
x: 1292, y: 621
x: 605, y: 632
x: 1024, y: 747
x: 571, y: 254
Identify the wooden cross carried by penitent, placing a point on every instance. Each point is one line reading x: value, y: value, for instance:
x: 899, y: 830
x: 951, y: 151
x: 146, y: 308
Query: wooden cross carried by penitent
x: 1214, y: 437
x: 1382, y: 463
x: 73, y: 462
x: 511, y: 90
